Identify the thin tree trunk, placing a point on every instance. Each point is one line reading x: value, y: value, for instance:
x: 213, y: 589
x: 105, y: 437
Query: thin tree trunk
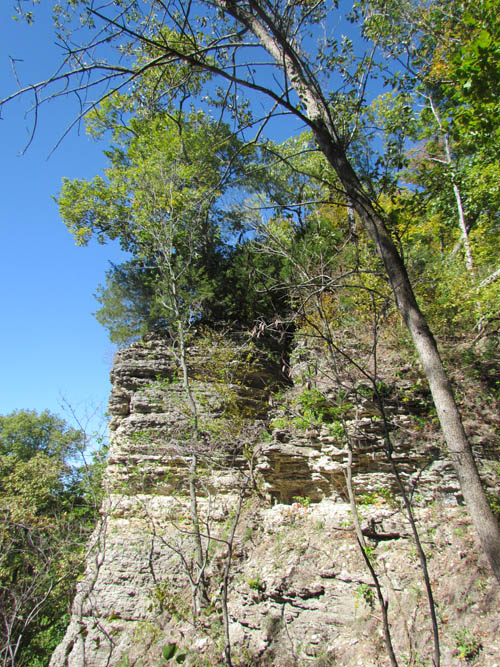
x: 225, y: 580
x: 276, y: 43
x: 463, y: 226
x: 464, y: 234
x: 416, y: 537
x: 198, y: 579
x: 383, y: 603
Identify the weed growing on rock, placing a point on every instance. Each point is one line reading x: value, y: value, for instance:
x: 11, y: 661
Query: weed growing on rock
x: 468, y: 645
x: 365, y: 592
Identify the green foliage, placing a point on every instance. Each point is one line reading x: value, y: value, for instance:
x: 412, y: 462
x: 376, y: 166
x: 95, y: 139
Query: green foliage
x: 226, y: 411
x: 473, y: 68
x: 244, y: 289
x: 163, y: 197
x: 47, y: 509
x: 468, y: 645
x: 380, y: 495
x: 156, y: 158
x: 440, y: 164
x: 454, y: 299
x: 365, y: 592
x: 165, y: 598
x: 128, y: 303
x: 369, y: 551
x: 170, y: 651
x: 24, y: 434
x: 313, y: 404
x: 45, y: 642
x: 267, y: 437
x: 256, y: 584
x: 368, y: 498
x: 494, y: 501
x: 331, y: 276
x: 313, y: 409
x: 305, y: 501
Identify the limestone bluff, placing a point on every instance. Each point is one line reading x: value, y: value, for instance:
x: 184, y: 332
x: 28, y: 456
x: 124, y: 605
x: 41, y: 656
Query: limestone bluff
x: 298, y: 589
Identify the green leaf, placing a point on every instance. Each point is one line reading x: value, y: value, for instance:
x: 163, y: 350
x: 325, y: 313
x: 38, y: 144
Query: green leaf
x: 169, y: 650
x: 484, y: 39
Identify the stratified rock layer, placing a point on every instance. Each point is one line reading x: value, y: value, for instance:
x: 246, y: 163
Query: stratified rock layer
x: 299, y: 590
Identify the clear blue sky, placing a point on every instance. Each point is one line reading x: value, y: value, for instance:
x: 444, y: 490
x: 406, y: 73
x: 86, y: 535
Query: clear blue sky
x: 51, y: 345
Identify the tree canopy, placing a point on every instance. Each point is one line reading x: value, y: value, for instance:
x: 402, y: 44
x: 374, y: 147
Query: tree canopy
x: 25, y: 434
x: 47, y: 510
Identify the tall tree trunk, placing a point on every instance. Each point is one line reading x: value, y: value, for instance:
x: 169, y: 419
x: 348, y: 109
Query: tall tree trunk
x: 277, y: 44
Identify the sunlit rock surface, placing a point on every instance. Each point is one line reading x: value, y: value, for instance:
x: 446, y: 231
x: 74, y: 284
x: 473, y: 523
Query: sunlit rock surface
x: 299, y: 589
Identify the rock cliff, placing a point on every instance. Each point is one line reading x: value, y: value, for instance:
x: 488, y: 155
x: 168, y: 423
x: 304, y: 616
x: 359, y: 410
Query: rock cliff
x: 276, y: 524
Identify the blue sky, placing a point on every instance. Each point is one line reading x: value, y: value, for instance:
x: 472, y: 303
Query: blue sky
x: 51, y: 345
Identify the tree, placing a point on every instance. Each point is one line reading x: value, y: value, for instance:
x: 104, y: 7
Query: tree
x: 25, y: 434
x: 440, y: 161
x: 127, y: 302
x: 45, y: 522
x: 174, y: 181
x: 316, y: 83
x: 453, y: 163
x: 161, y: 197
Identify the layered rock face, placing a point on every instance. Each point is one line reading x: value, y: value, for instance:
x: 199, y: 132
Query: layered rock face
x: 276, y: 526
x: 145, y: 527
